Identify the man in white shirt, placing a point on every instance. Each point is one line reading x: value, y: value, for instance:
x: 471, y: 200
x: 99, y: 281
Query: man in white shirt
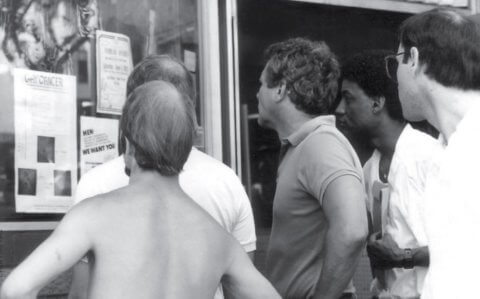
x: 394, y: 175
x: 438, y: 75
x: 210, y: 183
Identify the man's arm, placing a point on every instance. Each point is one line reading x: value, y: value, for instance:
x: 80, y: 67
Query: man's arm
x: 243, y: 281
x: 384, y: 253
x: 344, y: 208
x: 65, y: 246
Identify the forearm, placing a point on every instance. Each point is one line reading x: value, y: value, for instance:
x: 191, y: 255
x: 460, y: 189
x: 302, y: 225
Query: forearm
x: 12, y: 288
x: 341, y: 259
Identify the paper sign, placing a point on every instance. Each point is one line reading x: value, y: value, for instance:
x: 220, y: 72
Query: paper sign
x: 190, y: 60
x: 45, y: 141
x: 98, y: 141
x: 114, y: 64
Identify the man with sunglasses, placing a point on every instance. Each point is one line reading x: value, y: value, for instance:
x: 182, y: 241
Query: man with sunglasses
x: 319, y: 215
x: 394, y: 175
x: 439, y: 80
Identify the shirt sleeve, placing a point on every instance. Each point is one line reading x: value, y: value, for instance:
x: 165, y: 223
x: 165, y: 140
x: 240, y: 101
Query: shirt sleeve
x: 244, y: 228
x: 325, y: 158
x: 412, y: 184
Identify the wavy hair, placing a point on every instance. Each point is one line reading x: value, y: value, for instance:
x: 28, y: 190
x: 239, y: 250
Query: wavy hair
x: 310, y: 71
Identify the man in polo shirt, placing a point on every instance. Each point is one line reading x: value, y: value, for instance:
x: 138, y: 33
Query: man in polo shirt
x: 319, y: 214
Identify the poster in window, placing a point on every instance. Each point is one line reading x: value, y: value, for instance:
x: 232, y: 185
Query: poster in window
x: 45, y: 141
x: 98, y: 141
x: 114, y: 64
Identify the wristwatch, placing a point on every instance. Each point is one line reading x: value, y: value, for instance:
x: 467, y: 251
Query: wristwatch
x: 407, y: 261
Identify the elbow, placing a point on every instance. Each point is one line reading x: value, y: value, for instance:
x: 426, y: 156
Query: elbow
x: 7, y: 292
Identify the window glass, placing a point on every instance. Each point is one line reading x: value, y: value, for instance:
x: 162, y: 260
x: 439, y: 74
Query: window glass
x: 58, y: 37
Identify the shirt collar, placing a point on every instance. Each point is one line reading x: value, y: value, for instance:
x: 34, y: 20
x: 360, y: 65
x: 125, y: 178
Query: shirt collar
x: 298, y: 136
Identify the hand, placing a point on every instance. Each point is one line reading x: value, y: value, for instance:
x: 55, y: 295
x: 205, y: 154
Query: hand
x: 384, y: 253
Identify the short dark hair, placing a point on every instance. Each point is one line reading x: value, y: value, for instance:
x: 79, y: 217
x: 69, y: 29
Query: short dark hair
x: 159, y: 125
x: 309, y: 70
x: 367, y: 69
x: 448, y: 44
x: 160, y: 67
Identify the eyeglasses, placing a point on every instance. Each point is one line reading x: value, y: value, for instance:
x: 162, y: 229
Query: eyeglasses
x: 391, y: 65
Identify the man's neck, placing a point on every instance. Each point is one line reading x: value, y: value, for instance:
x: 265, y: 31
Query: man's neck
x: 449, y: 107
x: 385, y: 138
x: 153, y: 178
x: 291, y: 122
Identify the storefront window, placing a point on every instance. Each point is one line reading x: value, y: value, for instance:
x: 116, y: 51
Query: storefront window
x: 56, y: 89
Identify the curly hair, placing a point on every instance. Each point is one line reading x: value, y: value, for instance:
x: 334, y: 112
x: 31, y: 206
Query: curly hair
x: 367, y: 69
x: 310, y: 71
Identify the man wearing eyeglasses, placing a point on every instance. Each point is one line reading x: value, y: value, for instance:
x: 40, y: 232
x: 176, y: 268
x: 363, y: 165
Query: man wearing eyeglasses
x: 439, y: 80
x: 319, y: 215
x: 394, y: 175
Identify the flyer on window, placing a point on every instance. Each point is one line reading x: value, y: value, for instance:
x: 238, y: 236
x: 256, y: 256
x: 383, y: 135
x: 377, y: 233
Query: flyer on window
x: 98, y: 141
x: 45, y: 141
x: 114, y: 64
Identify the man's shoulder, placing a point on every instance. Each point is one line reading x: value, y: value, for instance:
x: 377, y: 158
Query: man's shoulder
x: 326, y: 142
x: 327, y: 135
x: 209, y: 166
x: 414, y: 144
x: 101, y: 179
x: 414, y: 155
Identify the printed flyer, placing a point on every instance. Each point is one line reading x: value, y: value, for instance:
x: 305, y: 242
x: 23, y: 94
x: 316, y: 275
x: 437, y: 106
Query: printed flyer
x: 98, y: 141
x: 114, y: 64
x: 45, y: 141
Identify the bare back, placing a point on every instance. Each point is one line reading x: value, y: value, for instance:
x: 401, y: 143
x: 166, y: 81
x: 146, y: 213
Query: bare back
x: 153, y: 243
x: 146, y: 240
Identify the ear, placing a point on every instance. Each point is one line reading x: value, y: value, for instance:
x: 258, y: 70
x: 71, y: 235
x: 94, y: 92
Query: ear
x: 128, y: 147
x: 129, y: 157
x: 129, y: 150
x: 414, y: 60
x: 378, y: 103
x: 281, y: 91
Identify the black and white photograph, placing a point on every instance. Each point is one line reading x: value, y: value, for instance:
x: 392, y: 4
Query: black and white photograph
x: 45, y: 149
x: 62, y: 182
x: 27, y: 181
x: 250, y: 149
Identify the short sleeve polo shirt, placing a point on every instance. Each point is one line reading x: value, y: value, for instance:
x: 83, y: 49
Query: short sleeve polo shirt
x: 311, y: 158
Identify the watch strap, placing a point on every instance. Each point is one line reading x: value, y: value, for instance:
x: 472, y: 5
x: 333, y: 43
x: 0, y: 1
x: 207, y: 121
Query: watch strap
x: 408, y: 258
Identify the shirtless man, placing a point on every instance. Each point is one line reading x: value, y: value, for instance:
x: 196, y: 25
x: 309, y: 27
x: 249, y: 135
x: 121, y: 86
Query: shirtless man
x: 148, y: 239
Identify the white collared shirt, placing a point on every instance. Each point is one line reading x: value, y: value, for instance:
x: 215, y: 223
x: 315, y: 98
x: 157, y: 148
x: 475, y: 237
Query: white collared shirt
x: 403, y: 205
x: 453, y: 218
